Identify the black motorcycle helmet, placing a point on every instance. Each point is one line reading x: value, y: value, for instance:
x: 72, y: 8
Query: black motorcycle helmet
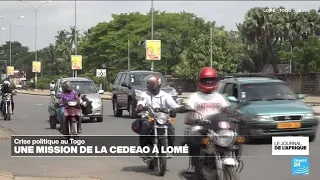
x: 66, y: 86
x: 153, y: 84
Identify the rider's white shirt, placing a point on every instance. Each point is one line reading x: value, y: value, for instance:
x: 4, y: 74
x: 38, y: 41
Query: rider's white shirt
x: 163, y: 98
x: 207, y: 104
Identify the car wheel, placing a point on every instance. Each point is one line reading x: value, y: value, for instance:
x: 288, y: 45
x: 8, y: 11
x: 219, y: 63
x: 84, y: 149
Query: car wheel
x: 100, y: 119
x: 132, y: 109
x: 116, y: 111
x: 53, y: 122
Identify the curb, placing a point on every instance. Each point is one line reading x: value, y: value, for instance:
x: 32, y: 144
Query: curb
x: 10, y: 176
x: 42, y: 94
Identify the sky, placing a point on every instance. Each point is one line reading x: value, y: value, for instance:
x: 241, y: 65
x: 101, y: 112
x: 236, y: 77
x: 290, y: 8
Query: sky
x: 58, y: 15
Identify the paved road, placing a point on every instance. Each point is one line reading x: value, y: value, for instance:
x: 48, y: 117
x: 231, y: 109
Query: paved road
x: 31, y: 118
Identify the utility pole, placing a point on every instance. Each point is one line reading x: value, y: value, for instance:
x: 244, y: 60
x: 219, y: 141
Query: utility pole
x: 211, y: 39
x: 128, y: 55
x: 290, y: 70
x: 75, y: 34
x: 152, y: 23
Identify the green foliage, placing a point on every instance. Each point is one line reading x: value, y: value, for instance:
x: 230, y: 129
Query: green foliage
x: 262, y: 38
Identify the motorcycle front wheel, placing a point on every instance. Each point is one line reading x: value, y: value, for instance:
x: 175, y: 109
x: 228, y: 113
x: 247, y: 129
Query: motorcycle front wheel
x: 74, y: 128
x: 230, y: 173
x: 162, y: 160
x: 7, y: 115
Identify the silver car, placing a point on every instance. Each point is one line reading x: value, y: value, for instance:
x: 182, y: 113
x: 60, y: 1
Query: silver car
x: 84, y: 86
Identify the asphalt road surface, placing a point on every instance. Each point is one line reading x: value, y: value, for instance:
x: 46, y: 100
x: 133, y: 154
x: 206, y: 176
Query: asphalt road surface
x: 31, y: 118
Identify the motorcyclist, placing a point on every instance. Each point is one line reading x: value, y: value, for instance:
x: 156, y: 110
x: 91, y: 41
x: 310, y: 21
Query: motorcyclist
x: 155, y: 98
x: 52, y: 84
x: 207, y: 102
x: 6, y: 88
x: 68, y: 94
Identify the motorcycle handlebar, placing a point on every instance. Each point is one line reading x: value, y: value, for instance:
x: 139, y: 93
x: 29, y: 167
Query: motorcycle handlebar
x: 153, y: 110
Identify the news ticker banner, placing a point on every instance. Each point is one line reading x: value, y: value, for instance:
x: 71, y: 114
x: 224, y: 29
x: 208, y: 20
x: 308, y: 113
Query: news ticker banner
x: 88, y: 146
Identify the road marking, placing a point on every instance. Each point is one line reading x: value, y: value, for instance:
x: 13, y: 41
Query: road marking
x: 38, y: 104
x: 23, y: 117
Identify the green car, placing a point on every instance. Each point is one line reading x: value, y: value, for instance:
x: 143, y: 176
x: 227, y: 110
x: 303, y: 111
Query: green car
x: 268, y: 107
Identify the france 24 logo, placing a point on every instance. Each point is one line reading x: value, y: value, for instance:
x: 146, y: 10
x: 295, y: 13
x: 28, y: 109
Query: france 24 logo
x: 300, y: 166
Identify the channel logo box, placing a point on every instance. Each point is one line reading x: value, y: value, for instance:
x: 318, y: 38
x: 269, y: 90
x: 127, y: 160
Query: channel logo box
x: 290, y: 146
x: 300, y: 166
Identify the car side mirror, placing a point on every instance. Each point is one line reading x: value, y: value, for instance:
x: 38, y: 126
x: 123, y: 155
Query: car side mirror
x: 301, y: 96
x: 124, y: 84
x: 52, y: 93
x: 232, y: 99
x: 101, y: 91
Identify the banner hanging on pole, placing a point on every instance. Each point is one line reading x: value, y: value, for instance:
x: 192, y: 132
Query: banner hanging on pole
x: 153, y: 50
x: 76, y: 62
x: 36, y: 66
x: 10, y: 70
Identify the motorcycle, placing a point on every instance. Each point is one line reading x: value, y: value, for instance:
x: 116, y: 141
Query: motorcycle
x: 220, y: 147
x: 72, y: 113
x: 7, y: 108
x: 160, y: 118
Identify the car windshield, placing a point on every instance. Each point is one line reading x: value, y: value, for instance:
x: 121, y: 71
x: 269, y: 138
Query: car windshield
x: 140, y: 79
x: 267, y: 92
x: 84, y: 87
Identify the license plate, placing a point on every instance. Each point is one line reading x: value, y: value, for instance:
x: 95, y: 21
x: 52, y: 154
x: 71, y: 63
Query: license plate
x: 292, y: 125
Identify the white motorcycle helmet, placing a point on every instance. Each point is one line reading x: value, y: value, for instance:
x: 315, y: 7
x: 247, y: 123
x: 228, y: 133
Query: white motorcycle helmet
x: 6, y: 83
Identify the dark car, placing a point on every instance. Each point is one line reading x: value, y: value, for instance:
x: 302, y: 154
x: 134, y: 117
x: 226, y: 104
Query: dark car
x: 268, y: 107
x: 128, y: 88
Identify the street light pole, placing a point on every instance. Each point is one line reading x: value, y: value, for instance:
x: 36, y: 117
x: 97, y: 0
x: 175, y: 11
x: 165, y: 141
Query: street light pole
x: 10, y: 25
x: 75, y: 34
x: 152, y: 23
x: 2, y: 28
x: 35, y: 36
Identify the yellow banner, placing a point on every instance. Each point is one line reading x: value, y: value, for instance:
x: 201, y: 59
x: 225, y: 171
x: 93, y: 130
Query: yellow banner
x: 36, y: 66
x: 10, y: 70
x: 153, y: 50
x: 76, y: 62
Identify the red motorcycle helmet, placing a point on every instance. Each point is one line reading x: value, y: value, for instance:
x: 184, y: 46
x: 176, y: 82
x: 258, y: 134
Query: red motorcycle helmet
x: 136, y: 126
x: 207, y: 80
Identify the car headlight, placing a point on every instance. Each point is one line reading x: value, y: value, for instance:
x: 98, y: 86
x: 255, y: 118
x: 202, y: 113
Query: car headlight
x: 263, y: 118
x: 173, y: 92
x: 308, y: 116
x: 98, y: 102
x: 138, y: 93
x: 225, y: 138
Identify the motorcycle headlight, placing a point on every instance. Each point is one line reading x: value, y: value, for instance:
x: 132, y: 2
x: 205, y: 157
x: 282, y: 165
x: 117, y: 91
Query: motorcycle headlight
x: 225, y: 138
x: 173, y: 92
x: 8, y: 97
x: 162, y: 118
x: 72, y: 103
